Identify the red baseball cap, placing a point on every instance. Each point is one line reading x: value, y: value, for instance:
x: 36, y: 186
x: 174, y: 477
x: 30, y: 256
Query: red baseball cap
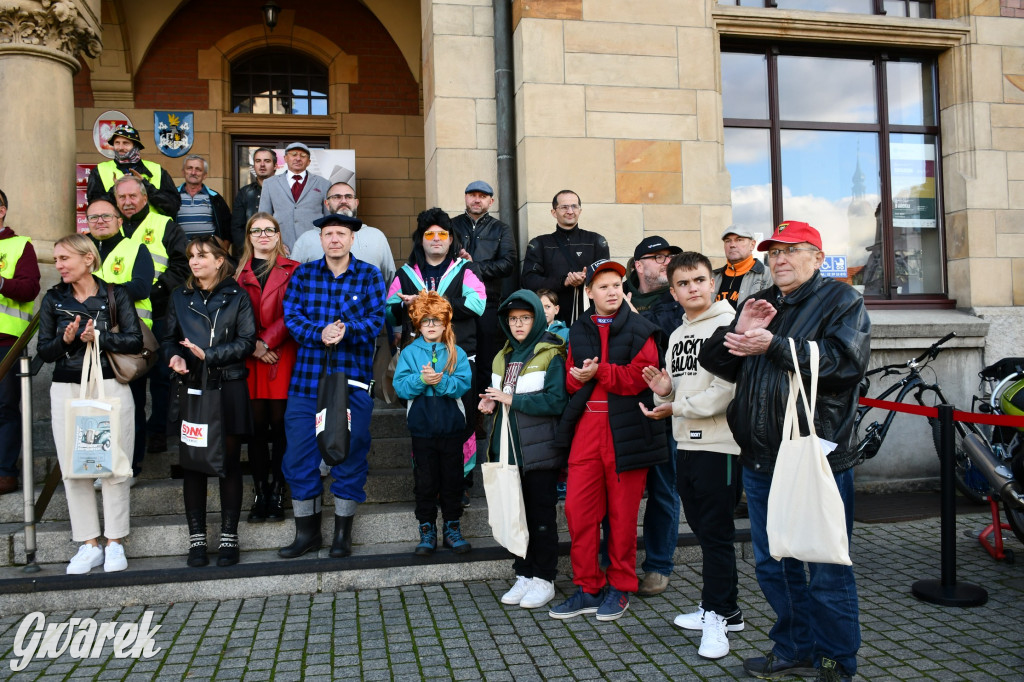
x: 602, y: 265
x: 792, y: 232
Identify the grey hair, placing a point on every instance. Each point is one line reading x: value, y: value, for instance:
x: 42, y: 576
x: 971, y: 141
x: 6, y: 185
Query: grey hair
x: 128, y: 177
x: 191, y: 157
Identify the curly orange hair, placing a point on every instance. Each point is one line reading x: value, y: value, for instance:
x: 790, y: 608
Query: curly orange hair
x: 433, y: 304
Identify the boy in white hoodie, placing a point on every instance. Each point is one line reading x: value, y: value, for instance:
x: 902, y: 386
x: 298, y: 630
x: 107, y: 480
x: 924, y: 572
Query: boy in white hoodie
x: 696, y: 400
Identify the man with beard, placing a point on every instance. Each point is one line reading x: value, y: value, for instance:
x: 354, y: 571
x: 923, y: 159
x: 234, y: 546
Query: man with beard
x: 157, y: 182
x: 557, y: 261
x: 648, y: 293
x: 247, y: 201
x: 743, y: 275
x: 296, y: 197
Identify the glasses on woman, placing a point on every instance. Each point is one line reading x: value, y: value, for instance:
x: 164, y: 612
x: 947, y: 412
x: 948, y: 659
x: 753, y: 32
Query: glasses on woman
x: 430, y: 322
x: 436, y: 234
x: 521, y: 320
x: 267, y: 231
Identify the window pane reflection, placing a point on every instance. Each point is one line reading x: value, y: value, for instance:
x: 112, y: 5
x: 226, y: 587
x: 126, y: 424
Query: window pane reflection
x: 744, y: 85
x: 912, y: 160
x: 831, y: 180
x: 827, y: 89
x: 909, y: 86
x: 850, y: 6
x: 749, y: 163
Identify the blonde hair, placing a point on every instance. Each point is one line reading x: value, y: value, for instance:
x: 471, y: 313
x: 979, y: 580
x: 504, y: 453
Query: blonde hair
x: 247, y: 250
x: 82, y: 245
x: 433, y: 304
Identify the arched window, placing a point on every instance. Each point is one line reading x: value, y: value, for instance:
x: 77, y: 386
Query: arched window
x: 278, y: 82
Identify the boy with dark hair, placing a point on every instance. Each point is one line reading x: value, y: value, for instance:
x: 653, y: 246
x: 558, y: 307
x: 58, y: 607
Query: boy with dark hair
x: 612, y: 445
x: 549, y: 300
x: 696, y: 400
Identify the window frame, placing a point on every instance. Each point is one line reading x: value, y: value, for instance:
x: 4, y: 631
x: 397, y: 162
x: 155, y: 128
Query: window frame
x: 293, y: 80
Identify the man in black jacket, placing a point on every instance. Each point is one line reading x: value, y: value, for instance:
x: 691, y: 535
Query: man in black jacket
x: 156, y: 181
x: 247, y: 201
x: 817, y: 622
x: 557, y: 261
x: 487, y: 243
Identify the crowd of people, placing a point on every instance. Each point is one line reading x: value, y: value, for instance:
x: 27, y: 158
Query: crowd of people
x: 598, y: 380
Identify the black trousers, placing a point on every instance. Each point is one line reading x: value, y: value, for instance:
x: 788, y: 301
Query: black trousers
x: 706, y: 487
x: 540, y: 499
x: 437, y: 474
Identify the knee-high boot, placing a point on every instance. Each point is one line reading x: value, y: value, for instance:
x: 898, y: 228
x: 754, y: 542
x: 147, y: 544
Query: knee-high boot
x: 196, y: 538
x: 227, y: 554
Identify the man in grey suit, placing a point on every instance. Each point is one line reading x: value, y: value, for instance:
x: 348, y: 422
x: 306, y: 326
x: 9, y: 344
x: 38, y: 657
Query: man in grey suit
x: 296, y: 197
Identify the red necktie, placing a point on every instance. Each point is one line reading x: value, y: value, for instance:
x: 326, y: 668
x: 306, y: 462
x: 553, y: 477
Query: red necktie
x: 296, y: 187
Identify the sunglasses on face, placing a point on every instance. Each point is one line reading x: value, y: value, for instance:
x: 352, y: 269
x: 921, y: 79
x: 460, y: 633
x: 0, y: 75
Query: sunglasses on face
x: 436, y: 234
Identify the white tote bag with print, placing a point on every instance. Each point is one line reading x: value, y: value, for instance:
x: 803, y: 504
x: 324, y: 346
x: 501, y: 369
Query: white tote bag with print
x: 506, y: 511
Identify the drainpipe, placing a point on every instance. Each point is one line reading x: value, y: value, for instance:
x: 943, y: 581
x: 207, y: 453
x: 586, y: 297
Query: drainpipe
x: 504, y: 88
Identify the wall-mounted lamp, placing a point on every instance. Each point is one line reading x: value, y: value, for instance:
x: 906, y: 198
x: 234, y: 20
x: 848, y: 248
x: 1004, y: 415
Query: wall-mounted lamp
x: 271, y: 11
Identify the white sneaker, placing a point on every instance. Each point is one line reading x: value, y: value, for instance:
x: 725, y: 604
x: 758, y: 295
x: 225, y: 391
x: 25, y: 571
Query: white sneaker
x: 115, y: 560
x: 88, y: 558
x: 518, y: 591
x: 714, y: 642
x: 540, y: 593
x: 695, y: 620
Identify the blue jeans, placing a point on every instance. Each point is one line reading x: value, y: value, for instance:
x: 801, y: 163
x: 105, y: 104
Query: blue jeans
x: 661, y: 517
x: 815, y: 617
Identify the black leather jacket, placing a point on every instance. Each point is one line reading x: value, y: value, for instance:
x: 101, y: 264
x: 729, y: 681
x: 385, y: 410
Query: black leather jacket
x: 493, y: 250
x: 58, y: 310
x: 220, y: 322
x: 823, y: 310
x: 247, y: 203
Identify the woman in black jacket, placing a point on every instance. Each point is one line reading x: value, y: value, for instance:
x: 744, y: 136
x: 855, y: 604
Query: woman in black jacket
x: 210, y: 325
x: 72, y: 314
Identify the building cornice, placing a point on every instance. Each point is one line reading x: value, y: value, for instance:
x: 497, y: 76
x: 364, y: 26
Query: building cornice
x: 53, y: 29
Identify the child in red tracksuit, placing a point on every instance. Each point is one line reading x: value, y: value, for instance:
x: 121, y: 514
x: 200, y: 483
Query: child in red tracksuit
x: 612, y: 444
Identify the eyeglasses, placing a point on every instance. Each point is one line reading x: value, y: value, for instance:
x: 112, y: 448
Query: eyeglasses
x: 97, y: 217
x: 436, y: 234
x: 521, y: 320
x: 346, y: 197
x: 256, y: 231
x: 565, y: 208
x: 789, y: 251
x: 431, y: 322
x: 658, y: 258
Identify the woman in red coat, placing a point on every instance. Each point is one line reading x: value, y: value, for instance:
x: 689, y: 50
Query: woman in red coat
x: 264, y: 272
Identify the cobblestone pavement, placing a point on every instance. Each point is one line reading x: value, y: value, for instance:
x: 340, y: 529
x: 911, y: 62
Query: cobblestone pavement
x: 460, y: 631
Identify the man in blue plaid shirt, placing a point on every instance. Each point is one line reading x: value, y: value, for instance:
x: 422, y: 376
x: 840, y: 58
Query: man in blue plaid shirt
x: 335, y: 306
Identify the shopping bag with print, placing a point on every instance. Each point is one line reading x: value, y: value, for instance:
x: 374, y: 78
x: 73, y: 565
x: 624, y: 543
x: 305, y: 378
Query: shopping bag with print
x: 506, y: 511
x: 201, y: 446
x: 333, y: 418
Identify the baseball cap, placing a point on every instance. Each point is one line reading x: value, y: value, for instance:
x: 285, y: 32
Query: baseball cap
x: 792, y: 232
x: 600, y: 266
x: 296, y: 145
x: 653, y: 244
x: 338, y: 219
x: 480, y: 186
x: 738, y: 231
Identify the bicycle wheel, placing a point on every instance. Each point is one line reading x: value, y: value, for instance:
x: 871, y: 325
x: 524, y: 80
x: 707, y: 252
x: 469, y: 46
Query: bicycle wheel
x: 1015, y: 517
x: 969, y: 481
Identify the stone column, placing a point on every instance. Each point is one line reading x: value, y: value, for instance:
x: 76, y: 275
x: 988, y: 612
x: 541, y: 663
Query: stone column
x: 39, y: 47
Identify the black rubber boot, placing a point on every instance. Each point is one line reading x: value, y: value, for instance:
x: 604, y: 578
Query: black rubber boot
x: 342, y: 545
x: 275, y: 501
x: 196, y: 538
x: 307, y: 537
x: 258, y: 513
x: 227, y: 554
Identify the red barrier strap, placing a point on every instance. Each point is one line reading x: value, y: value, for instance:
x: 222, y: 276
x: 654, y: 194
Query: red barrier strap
x: 972, y: 417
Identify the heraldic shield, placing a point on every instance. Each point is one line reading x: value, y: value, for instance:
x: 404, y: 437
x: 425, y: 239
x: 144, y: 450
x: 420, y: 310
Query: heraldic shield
x: 173, y: 132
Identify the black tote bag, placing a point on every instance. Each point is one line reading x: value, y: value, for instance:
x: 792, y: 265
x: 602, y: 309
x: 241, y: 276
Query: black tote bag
x: 333, y: 419
x: 201, y: 447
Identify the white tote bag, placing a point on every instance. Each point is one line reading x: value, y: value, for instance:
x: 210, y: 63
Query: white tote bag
x: 506, y: 511
x: 92, y: 427
x: 806, y: 517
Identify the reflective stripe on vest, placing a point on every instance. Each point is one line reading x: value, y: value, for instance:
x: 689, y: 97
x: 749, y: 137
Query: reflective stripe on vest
x: 150, y: 233
x: 117, y: 268
x: 109, y: 173
x: 14, y: 315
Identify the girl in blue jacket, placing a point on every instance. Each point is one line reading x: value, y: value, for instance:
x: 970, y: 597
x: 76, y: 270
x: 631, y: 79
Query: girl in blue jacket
x: 433, y: 374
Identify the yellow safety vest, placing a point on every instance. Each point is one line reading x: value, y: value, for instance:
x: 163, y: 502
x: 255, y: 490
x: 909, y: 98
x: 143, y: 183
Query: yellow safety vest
x: 117, y: 268
x: 109, y: 173
x: 14, y: 315
x: 150, y: 233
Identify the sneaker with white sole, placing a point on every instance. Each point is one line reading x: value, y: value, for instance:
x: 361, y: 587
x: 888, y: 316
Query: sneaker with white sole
x: 88, y: 558
x: 714, y: 641
x: 540, y: 593
x: 695, y: 620
x: 518, y: 591
x: 614, y: 605
x: 115, y: 559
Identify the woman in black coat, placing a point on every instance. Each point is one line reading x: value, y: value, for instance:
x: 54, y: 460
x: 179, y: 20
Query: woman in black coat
x: 210, y: 325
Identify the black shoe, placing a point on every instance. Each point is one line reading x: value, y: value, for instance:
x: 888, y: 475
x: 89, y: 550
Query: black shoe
x: 307, y: 537
x: 156, y: 443
x: 275, y: 501
x: 772, y: 668
x: 342, y: 544
x: 197, y: 538
x: 227, y: 555
x: 830, y: 671
x: 258, y: 513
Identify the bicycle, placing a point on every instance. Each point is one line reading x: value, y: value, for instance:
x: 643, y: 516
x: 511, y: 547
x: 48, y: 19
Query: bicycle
x: 969, y: 481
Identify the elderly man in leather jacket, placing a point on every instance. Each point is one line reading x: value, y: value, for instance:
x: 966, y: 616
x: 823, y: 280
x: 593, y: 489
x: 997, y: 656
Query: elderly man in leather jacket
x: 817, y: 628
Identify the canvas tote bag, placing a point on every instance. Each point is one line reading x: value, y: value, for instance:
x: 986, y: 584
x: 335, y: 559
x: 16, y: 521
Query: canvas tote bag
x: 506, y: 512
x: 806, y: 517
x: 92, y: 427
